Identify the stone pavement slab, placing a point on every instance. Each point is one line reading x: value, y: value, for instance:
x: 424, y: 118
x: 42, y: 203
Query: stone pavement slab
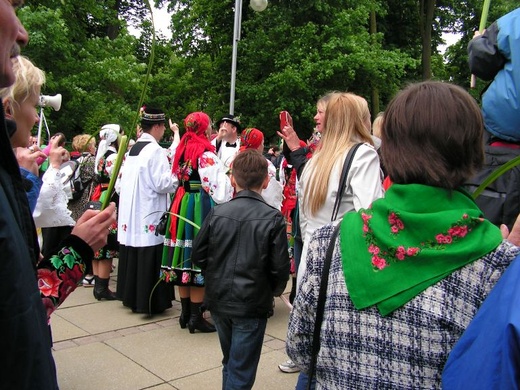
x: 103, y: 345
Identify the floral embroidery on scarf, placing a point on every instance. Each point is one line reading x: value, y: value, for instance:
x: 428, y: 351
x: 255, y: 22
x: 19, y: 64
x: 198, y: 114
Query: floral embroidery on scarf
x: 383, y: 258
x: 395, y: 223
x: 56, y: 284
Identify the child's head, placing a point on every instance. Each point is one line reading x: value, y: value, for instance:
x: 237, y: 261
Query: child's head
x: 249, y: 171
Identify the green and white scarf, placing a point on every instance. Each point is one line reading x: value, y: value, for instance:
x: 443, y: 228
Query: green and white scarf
x: 409, y: 240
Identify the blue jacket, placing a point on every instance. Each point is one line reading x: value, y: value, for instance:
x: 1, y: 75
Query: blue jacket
x: 487, y: 356
x: 497, y: 52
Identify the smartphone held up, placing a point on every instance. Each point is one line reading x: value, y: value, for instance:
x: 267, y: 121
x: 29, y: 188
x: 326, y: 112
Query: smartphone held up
x: 285, y: 119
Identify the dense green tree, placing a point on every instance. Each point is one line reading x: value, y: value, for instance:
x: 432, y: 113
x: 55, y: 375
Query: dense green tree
x: 288, y: 56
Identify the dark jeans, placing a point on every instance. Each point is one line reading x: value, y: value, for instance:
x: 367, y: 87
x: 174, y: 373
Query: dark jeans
x: 241, y: 343
x: 303, y: 379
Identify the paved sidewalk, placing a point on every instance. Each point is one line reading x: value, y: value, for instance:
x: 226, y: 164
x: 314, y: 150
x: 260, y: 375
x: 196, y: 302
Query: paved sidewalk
x: 103, y: 345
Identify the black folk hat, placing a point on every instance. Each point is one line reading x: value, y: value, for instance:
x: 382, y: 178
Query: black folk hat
x: 230, y: 119
x: 152, y: 116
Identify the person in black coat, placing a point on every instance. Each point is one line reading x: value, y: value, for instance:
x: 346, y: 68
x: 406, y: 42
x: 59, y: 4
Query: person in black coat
x: 25, y: 308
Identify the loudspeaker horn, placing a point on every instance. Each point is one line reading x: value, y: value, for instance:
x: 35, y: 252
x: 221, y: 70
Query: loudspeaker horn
x: 51, y: 101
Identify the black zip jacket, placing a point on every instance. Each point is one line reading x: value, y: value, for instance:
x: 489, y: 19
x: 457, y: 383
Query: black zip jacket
x: 242, y: 251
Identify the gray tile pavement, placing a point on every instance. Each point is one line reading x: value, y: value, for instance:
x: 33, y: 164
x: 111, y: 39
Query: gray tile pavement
x: 103, y: 345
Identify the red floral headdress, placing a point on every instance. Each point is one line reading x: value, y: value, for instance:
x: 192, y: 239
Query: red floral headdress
x: 193, y: 143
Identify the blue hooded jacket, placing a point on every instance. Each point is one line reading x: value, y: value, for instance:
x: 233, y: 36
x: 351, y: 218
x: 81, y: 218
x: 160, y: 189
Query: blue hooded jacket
x: 500, y: 46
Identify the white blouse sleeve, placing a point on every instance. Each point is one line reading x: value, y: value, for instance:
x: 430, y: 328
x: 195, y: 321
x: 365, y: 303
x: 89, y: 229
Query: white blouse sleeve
x: 273, y: 194
x: 214, y: 178
x: 365, y: 177
x: 162, y: 180
x: 51, y: 208
x: 110, y: 164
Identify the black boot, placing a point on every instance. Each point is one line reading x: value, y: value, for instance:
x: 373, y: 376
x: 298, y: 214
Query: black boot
x: 197, y: 321
x: 292, y: 295
x: 101, y: 290
x: 185, y: 312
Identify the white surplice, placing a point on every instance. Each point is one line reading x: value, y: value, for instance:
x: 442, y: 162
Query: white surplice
x: 146, y: 183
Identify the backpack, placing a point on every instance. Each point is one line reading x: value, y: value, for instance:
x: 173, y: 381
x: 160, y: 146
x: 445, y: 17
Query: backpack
x: 500, y: 201
x: 71, y: 178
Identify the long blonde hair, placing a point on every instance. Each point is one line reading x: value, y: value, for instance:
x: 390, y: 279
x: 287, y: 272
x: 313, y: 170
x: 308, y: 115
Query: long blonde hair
x: 346, y: 121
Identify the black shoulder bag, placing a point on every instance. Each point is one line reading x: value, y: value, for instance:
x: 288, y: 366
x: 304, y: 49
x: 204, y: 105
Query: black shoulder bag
x: 343, y: 180
x: 326, y: 267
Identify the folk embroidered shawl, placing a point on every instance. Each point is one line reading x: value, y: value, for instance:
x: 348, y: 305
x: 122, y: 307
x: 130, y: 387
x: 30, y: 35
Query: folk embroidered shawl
x: 409, y: 240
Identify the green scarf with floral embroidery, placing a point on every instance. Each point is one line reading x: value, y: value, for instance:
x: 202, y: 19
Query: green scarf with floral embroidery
x: 409, y: 240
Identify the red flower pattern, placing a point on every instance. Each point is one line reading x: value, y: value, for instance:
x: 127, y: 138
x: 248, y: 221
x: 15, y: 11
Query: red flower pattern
x: 56, y: 283
x: 382, y: 258
x: 48, y: 282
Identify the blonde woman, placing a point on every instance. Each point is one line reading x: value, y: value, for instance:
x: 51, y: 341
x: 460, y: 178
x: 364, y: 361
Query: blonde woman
x: 346, y: 123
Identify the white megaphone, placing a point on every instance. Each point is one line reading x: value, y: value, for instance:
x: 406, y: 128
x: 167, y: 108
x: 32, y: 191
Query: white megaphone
x: 51, y: 101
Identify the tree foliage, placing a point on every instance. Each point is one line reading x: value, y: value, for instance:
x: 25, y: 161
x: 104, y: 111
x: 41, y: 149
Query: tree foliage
x: 288, y: 56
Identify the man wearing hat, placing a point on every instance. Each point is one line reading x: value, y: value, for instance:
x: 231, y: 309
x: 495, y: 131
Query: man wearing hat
x: 227, y: 141
x: 146, y: 182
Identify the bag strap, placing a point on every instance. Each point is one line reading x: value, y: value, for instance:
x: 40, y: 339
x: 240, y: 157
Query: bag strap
x: 321, y: 305
x: 343, y: 180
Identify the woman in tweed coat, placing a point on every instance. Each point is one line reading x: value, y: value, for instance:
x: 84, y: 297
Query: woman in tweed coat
x: 408, y: 273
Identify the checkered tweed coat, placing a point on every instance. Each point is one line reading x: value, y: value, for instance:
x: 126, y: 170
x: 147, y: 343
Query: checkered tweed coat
x: 360, y: 349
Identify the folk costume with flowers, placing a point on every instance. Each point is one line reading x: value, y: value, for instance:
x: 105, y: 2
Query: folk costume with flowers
x: 203, y: 182
x: 252, y: 138
x: 105, y: 160
x: 409, y: 272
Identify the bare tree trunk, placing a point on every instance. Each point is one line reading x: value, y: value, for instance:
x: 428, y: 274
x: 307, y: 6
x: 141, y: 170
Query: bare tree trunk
x: 113, y: 30
x: 426, y: 12
x: 375, y: 90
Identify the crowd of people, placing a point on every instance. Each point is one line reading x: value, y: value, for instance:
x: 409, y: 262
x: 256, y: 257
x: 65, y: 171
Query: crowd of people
x: 392, y: 264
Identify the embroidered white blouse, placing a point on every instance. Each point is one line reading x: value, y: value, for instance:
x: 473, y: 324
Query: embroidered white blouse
x: 273, y: 194
x: 51, y: 208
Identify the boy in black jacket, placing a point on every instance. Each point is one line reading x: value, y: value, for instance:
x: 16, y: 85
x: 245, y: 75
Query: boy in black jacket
x: 242, y: 250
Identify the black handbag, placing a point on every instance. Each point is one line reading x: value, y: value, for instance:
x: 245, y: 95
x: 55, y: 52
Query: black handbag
x: 343, y: 180
x: 322, y: 296
x: 162, y: 225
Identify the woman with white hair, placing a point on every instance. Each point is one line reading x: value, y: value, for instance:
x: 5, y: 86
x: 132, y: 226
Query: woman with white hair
x: 104, y: 167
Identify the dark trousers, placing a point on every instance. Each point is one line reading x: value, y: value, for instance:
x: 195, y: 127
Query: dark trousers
x: 241, y: 343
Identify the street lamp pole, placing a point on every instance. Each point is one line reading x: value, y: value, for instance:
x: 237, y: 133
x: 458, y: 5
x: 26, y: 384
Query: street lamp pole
x: 236, y: 38
x: 259, y: 6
